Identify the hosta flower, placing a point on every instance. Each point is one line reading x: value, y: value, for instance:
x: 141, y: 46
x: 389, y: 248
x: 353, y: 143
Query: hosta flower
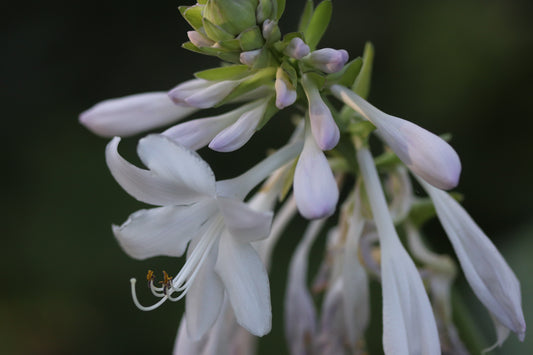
x: 209, y: 216
x: 315, y: 188
x: 328, y: 60
x: 491, y: 279
x: 408, y: 323
x: 201, y: 93
x: 426, y: 154
x: 129, y: 115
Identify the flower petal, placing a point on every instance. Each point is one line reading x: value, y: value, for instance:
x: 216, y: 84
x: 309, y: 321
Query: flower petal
x: 129, y: 115
x: 246, y: 281
x: 204, y: 298
x: 174, y: 162
x: 491, y: 279
x: 315, y: 188
x: 144, y: 185
x: 426, y: 154
x: 408, y: 322
x: 179, y: 93
x: 162, y: 231
x: 236, y: 135
x: 242, y: 222
x: 183, y: 344
x: 328, y: 60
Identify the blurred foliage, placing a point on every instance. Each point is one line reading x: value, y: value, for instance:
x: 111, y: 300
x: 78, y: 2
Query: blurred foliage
x: 454, y: 66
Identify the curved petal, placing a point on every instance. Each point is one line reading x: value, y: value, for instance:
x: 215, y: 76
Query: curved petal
x: 170, y: 160
x: 211, y: 94
x: 246, y: 281
x: 144, y: 185
x: 426, y: 154
x: 204, y: 298
x: 315, y: 189
x: 236, y: 135
x: 491, y: 279
x: 129, y: 115
x: 179, y: 93
x: 162, y: 231
x: 242, y: 222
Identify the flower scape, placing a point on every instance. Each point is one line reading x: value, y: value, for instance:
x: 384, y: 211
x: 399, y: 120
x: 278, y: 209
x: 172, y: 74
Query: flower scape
x: 227, y: 229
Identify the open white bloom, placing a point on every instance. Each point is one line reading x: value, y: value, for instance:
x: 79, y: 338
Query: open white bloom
x: 491, y: 279
x: 208, y: 214
x: 202, y: 93
x: 426, y: 154
x: 315, y: 188
x: 408, y: 323
x: 129, y: 115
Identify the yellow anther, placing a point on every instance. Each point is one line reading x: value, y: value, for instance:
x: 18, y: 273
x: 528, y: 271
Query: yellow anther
x: 166, y: 277
x: 150, y: 276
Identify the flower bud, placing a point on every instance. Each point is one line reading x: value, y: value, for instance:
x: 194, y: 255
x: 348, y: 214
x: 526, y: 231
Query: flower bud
x: 133, y: 114
x: 327, y: 59
x: 285, y: 92
x: 297, y: 48
x: 249, y: 57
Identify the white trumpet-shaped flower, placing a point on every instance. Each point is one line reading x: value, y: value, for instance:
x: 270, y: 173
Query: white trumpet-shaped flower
x: 129, y: 115
x: 315, y: 189
x: 408, y: 323
x: 491, y: 279
x: 323, y: 126
x: 209, y: 216
x: 426, y: 154
x: 202, y: 93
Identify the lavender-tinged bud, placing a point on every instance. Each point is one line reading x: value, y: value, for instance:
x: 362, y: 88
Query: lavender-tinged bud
x: 323, y: 125
x: 271, y: 31
x: 236, y: 135
x: 133, y: 114
x: 285, y: 92
x: 315, y: 188
x: 426, y: 154
x: 297, y: 48
x: 327, y: 59
x: 248, y: 58
x: 199, y: 40
x: 202, y: 93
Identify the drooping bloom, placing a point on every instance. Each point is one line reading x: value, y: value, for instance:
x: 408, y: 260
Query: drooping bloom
x: 208, y: 215
x: 201, y: 93
x: 129, y: 115
x: 408, y: 323
x: 426, y: 154
x: 491, y: 279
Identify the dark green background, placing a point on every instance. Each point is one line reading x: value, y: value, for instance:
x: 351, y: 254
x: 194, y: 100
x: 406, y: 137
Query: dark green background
x: 460, y: 66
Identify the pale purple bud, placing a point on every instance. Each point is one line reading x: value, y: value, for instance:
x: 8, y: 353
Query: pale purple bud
x: 132, y: 114
x: 328, y: 60
x: 199, y: 40
x: 315, y: 189
x: 249, y: 57
x: 323, y: 126
x: 297, y: 48
x: 202, y: 93
x: 236, y: 135
x: 426, y: 154
x: 285, y: 93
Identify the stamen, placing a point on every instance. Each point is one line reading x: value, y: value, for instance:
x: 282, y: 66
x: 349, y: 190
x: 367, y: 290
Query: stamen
x: 138, y: 304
